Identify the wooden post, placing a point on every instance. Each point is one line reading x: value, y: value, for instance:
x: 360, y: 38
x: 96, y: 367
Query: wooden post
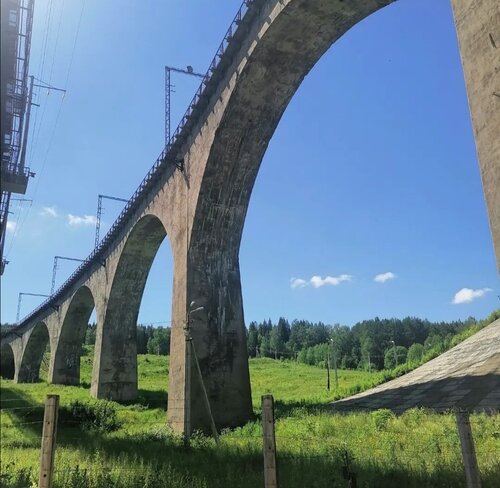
x: 468, y: 452
x: 336, y: 373
x: 205, y: 396
x: 48, y: 441
x: 269, y: 442
x: 328, y: 370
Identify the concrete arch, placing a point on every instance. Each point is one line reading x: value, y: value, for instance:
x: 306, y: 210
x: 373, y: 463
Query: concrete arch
x: 283, y: 43
x: 115, y: 360
x: 281, y: 46
x: 65, y: 366
x: 7, y: 363
x: 292, y: 38
x: 31, y: 360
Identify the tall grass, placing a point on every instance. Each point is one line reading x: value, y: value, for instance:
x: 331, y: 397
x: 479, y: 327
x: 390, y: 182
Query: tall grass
x: 417, y: 449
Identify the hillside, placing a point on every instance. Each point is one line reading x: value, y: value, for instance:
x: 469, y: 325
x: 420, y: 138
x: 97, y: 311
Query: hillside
x: 129, y: 446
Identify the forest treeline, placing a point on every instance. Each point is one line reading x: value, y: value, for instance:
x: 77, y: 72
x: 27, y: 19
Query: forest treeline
x: 371, y: 344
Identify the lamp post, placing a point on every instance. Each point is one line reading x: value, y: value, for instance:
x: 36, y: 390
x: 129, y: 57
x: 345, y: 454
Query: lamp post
x: 187, y: 387
x: 191, y: 349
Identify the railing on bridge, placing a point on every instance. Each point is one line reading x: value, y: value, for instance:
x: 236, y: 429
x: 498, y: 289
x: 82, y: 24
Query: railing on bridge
x: 164, y: 161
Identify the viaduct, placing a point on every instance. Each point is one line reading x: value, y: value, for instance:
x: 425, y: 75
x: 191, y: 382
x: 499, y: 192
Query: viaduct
x: 197, y: 194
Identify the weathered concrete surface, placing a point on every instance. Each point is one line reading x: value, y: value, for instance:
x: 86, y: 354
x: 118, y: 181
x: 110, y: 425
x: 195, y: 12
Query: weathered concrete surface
x: 478, y: 28
x: 467, y: 376
x: 202, y: 210
x: 31, y: 360
x: 65, y: 366
x: 7, y: 364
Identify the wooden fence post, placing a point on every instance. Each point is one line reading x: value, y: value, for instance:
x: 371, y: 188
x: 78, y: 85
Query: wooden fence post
x: 269, y: 442
x: 468, y: 452
x: 48, y: 441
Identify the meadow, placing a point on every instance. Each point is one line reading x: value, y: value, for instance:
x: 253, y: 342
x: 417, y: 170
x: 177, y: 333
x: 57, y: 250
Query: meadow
x: 130, y: 445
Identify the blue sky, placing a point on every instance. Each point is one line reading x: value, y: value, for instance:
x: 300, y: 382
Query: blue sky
x: 372, y: 170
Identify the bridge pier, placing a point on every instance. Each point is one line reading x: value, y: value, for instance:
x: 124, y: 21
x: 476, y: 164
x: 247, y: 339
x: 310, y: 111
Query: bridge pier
x: 114, y: 373
x: 32, y: 356
x: 7, y: 362
x: 65, y: 360
x: 210, y: 281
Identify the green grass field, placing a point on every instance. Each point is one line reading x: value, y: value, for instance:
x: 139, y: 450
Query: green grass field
x: 417, y: 449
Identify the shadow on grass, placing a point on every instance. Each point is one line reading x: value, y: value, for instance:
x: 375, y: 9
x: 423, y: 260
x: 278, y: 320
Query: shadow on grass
x: 203, y: 464
x: 228, y: 466
x: 284, y: 409
x: 152, y: 398
x: 21, y: 407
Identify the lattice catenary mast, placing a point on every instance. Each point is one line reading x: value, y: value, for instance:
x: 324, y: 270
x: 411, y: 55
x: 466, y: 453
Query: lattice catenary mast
x: 168, y: 90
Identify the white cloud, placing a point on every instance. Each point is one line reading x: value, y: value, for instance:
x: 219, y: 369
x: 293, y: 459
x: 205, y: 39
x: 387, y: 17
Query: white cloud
x: 11, y: 226
x: 383, y: 277
x: 297, y: 283
x: 318, y: 281
x: 466, y: 295
x: 85, y: 220
x: 50, y: 211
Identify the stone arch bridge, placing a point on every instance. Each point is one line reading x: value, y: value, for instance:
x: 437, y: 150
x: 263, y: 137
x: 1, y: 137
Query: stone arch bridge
x: 197, y: 194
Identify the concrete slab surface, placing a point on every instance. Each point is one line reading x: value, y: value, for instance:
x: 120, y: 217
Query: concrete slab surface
x: 467, y: 377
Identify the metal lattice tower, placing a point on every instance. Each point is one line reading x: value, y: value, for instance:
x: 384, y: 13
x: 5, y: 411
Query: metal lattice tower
x: 99, y: 214
x: 168, y: 90
x: 19, y: 300
x: 55, y: 268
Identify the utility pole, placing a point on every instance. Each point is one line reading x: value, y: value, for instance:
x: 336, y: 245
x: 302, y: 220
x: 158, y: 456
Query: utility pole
x: 21, y: 294
x: 395, y: 354
x: 99, y: 214
x: 335, y: 364
x: 55, y: 268
x: 369, y: 364
x: 28, y: 115
x: 187, y: 383
x: 335, y: 370
x: 27, y: 125
x: 328, y: 368
x: 168, y: 90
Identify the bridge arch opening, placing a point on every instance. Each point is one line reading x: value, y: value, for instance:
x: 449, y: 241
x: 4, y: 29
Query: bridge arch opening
x: 7, y: 366
x: 115, y: 374
x: 70, y: 345
x: 36, y: 355
x: 154, y: 327
x: 288, y: 47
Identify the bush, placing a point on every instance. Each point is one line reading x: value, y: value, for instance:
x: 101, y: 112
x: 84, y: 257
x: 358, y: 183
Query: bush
x: 415, y: 353
x: 100, y: 415
x: 381, y: 418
